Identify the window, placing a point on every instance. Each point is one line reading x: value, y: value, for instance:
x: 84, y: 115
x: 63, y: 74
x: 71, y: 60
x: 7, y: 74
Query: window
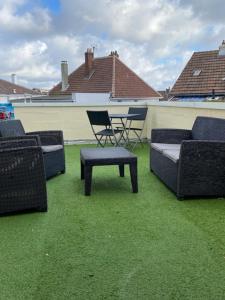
x: 196, y: 72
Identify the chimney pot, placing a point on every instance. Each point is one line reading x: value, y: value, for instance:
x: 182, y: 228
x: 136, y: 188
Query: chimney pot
x: 114, y: 53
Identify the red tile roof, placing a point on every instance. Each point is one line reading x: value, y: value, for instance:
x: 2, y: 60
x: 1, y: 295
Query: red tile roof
x: 8, y: 88
x: 212, y: 75
x: 110, y: 75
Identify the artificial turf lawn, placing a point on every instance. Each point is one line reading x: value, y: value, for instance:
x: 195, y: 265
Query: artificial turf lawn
x: 114, y: 244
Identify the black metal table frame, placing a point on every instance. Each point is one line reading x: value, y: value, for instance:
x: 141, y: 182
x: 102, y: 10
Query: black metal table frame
x: 121, y: 117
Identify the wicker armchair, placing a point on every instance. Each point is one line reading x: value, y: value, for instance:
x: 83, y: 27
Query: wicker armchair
x: 23, y: 183
x: 51, y: 142
x: 191, y: 162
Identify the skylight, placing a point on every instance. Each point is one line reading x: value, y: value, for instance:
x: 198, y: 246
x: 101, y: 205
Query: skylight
x: 196, y: 72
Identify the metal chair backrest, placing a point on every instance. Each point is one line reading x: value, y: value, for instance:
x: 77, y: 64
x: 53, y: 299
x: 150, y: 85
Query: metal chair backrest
x: 100, y: 118
x: 141, y: 111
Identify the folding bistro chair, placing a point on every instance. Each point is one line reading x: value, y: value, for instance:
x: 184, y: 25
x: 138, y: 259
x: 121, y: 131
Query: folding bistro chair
x: 141, y: 116
x: 101, y: 118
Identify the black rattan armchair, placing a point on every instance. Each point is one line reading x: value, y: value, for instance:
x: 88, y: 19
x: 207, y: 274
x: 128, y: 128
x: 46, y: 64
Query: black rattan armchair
x: 23, y: 182
x: 51, y: 142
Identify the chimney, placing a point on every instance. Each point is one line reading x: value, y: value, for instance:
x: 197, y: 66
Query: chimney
x: 89, y: 62
x: 167, y: 93
x: 64, y: 72
x: 13, y: 78
x: 222, y: 49
x: 114, y: 53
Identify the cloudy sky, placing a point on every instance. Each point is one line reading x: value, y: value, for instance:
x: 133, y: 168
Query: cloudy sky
x: 153, y: 37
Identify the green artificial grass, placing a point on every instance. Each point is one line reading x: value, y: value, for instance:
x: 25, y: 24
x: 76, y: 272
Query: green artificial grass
x: 114, y: 244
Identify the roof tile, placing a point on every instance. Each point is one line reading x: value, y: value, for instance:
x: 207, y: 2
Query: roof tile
x: 212, y: 68
x: 110, y: 76
x: 8, y: 88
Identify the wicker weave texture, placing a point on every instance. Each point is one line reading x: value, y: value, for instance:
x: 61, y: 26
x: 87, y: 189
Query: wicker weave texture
x: 49, y: 137
x: 170, y: 136
x: 55, y: 160
x: 22, y: 184
x: 200, y: 170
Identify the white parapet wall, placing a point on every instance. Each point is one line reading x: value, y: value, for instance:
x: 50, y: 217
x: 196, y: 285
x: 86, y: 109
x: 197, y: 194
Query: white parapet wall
x: 72, y: 118
x: 88, y: 98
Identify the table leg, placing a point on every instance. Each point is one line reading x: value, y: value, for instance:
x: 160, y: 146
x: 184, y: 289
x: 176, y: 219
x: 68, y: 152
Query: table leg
x: 87, y: 180
x: 133, y: 176
x: 126, y: 138
x: 121, y: 169
x: 81, y: 170
x: 123, y: 135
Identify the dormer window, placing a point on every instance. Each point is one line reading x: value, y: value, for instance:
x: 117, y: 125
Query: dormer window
x: 197, y: 72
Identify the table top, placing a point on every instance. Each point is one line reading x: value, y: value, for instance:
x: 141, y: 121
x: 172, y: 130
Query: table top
x: 107, y: 153
x: 122, y: 116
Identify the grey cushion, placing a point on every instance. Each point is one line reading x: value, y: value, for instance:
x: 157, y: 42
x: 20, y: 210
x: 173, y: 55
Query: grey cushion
x: 172, y: 154
x: 161, y: 147
x: 51, y: 148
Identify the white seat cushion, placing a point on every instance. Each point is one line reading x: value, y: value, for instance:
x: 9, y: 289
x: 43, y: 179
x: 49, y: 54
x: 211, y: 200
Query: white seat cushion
x: 51, y: 148
x: 161, y: 147
x: 172, y: 154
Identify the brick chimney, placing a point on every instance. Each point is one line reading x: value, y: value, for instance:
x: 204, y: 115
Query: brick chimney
x: 89, y: 62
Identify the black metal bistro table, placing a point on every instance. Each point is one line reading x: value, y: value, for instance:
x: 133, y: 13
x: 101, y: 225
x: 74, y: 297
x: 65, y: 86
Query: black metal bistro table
x: 122, y: 123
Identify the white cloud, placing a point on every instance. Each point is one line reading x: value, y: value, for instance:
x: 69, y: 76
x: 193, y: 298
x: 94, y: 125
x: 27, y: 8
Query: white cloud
x: 155, y: 38
x: 37, y: 21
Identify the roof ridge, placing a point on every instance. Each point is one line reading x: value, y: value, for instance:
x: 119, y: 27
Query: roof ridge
x: 171, y: 91
x: 113, y: 77
x: 137, y: 75
x: 207, y: 51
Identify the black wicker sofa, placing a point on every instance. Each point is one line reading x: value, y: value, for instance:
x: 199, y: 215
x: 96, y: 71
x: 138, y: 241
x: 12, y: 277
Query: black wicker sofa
x: 191, y: 162
x: 51, y: 142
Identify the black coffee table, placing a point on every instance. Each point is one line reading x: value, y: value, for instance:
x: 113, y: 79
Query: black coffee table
x: 90, y: 157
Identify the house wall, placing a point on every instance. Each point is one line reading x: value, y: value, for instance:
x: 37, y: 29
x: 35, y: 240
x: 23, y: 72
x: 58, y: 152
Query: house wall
x: 72, y: 118
x: 87, y: 98
x: 3, y: 98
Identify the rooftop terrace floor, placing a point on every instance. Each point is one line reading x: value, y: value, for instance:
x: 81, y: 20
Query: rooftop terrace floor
x: 114, y: 244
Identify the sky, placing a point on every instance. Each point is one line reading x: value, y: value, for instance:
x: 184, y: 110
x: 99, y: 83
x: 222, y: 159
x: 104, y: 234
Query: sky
x: 155, y: 38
